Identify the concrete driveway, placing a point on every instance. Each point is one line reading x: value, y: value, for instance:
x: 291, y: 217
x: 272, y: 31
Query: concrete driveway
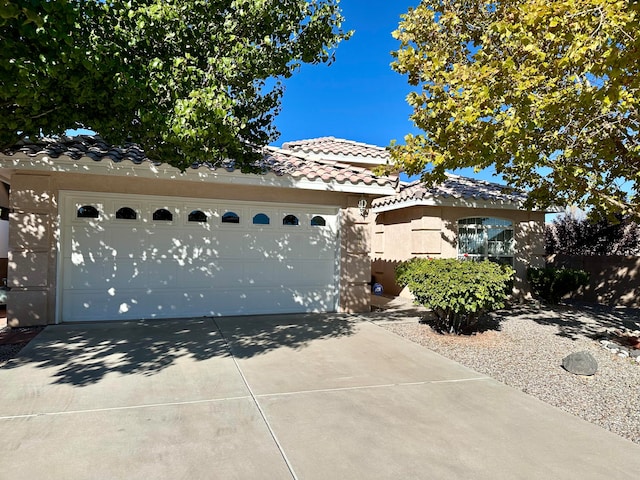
x: 305, y: 396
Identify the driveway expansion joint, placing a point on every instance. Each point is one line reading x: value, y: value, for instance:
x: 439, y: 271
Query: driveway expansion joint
x: 368, y: 387
x: 129, y: 407
x: 256, y: 403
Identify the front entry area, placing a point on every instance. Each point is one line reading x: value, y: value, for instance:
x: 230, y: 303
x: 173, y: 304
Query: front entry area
x: 137, y: 256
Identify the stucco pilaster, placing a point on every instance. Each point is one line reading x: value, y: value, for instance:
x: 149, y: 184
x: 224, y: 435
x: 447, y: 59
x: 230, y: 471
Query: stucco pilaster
x: 355, y: 259
x: 32, y: 253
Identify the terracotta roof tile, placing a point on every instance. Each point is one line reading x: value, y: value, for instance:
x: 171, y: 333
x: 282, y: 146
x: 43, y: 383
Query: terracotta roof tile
x: 454, y: 187
x: 337, y: 146
x: 275, y: 160
x: 283, y: 162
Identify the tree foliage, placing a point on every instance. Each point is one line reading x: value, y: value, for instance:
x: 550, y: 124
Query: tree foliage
x: 189, y: 80
x: 570, y: 235
x: 546, y: 91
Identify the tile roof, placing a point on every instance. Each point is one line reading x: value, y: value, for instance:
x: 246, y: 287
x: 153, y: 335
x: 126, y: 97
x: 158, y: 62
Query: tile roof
x: 282, y: 162
x: 454, y: 187
x: 89, y: 146
x: 337, y: 146
x: 275, y: 160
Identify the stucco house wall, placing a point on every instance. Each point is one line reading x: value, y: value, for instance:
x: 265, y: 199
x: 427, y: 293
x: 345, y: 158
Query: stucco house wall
x: 37, y: 180
x: 431, y: 231
x: 398, y: 221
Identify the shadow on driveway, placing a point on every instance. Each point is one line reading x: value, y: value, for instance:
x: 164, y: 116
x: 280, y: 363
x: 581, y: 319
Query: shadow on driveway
x: 83, y: 354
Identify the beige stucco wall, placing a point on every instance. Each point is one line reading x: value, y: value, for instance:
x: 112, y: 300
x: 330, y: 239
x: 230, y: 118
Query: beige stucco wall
x: 431, y: 231
x: 34, y: 229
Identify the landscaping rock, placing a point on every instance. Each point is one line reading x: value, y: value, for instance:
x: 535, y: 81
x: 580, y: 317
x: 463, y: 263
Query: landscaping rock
x: 580, y: 363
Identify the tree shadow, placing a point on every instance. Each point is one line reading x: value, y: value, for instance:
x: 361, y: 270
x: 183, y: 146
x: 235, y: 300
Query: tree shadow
x: 485, y: 323
x: 83, y: 354
x: 252, y: 336
x: 576, y: 320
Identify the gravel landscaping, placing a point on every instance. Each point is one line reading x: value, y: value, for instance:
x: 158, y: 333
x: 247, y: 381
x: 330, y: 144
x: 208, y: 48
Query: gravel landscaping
x: 523, y: 347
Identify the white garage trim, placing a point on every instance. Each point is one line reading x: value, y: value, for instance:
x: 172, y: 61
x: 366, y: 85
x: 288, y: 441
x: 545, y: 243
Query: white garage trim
x: 116, y: 268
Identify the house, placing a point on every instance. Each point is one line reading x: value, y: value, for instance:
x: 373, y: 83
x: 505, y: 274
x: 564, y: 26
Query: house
x: 98, y: 232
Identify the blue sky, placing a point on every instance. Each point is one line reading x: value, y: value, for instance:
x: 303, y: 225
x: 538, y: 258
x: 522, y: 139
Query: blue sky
x: 358, y: 97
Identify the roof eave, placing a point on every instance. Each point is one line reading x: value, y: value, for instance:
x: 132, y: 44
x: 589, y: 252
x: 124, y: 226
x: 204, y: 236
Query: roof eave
x: 449, y: 202
x: 147, y: 169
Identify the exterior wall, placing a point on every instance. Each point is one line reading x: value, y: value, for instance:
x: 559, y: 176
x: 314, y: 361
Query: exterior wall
x: 355, y: 274
x: 32, y: 253
x: 613, y: 280
x: 34, y: 229
x: 4, y: 233
x: 432, y: 232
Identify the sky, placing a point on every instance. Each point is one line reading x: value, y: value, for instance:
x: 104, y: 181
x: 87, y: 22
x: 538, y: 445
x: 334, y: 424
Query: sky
x: 358, y: 97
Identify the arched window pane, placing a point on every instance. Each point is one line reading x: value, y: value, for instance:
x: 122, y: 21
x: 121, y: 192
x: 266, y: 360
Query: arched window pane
x: 126, y: 213
x: 87, y: 211
x: 318, y: 221
x: 198, y: 216
x: 162, y: 215
x: 486, y: 238
x: 230, y: 217
x: 290, y: 220
x: 261, y: 219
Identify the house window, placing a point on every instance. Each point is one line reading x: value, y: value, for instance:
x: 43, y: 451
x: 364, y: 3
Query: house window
x: 87, y: 211
x: 162, y: 215
x: 290, y: 220
x: 261, y: 219
x: 230, y: 217
x: 484, y: 238
x: 198, y: 216
x: 318, y: 221
x: 126, y: 213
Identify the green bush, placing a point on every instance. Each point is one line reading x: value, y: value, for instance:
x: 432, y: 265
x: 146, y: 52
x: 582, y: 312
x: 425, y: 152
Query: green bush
x: 457, y: 292
x: 551, y: 284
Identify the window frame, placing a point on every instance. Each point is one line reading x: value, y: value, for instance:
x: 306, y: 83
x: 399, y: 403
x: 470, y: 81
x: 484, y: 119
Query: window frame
x: 262, y: 215
x: 483, y: 226
x: 136, y: 216
x: 230, y: 217
x: 191, y: 221
x: 93, y: 208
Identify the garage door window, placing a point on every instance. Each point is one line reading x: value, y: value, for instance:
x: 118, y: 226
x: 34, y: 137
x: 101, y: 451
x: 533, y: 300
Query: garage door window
x: 290, y: 220
x: 198, y: 216
x: 261, y: 219
x: 126, y: 213
x: 88, y: 211
x: 162, y: 215
x: 230, y: 217
x: 318, y: 221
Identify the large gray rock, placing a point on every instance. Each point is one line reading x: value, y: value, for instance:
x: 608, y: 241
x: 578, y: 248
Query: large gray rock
x: 580, y: 363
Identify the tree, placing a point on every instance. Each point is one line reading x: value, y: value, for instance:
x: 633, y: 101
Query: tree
x: 570, y: 235
x: 546, y: 91
x: 189, y: 80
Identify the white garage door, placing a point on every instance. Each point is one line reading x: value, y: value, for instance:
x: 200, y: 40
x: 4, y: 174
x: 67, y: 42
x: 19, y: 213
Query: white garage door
x: 131, y: 257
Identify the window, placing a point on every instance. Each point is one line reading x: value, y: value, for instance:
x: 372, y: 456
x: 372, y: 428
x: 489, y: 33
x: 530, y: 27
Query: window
x: 230, y: 217
x: 486, y: 239
x: 88, y: 211
x: 162, y: 215
x: 318, y: 221
x: 126, y: 213
x: 198, y: 216
x: 261, y: 219
x: 290, y: 220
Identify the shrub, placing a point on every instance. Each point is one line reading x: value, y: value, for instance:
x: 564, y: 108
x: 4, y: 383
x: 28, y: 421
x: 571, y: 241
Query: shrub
x: 457, y: 292
x: 551, y: 284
